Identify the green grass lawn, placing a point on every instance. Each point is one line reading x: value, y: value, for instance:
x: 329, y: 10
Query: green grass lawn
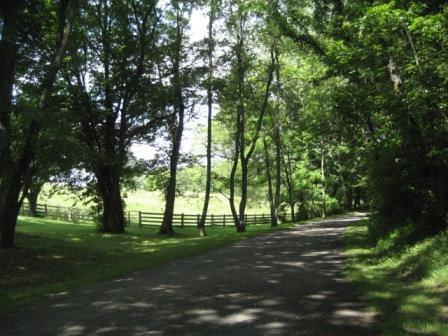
x: 152, y: 201
x: 408, y: 288
x: 54, y: 256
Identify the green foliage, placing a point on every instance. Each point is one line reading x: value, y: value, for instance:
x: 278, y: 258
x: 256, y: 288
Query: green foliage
x: 390, y: 57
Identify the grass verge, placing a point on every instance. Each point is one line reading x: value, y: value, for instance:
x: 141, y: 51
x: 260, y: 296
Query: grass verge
x: 54, y: 256
x: 407, y: 288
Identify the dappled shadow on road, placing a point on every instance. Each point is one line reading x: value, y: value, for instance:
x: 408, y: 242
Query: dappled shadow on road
x: 284, y: 283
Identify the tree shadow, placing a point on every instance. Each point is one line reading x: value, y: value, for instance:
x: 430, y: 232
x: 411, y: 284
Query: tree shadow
x: 284, y: 283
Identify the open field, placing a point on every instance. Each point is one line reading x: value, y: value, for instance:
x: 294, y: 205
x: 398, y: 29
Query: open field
x: 53, y: 256
x: 152, y: 201
x: 408, y: 289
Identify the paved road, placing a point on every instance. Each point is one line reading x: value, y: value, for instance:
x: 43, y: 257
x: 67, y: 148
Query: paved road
x: 283, y: 283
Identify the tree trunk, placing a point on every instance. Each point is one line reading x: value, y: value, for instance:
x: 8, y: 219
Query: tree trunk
x: 289, y: 182
x: 272, y: 206
x: 32, y: 196
x: 10, y: 205
x: 277, y: 136
x: 322, y: 173
x: 239, y: 135
x: 208, y: 182
x: 17, y: 175
x: 245, y: 158
x: 243, y: 200
x: 357, y: 198
x: 108, y: 179
x: 232, y: 178
x: 349, y: 198
x: 8, y: 51
x: 177, y: 130
x: 167, y: 224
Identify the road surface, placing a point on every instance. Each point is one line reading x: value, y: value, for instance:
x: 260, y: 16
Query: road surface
x: 282, y: 283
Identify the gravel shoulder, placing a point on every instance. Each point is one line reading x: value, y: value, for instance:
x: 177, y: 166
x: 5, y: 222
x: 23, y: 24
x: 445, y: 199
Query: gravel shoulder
x: 282, y: 283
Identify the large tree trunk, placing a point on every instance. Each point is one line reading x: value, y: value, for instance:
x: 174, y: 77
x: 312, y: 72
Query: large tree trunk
x: 108, y: 179
x: 17, y: 175
x: 8, y: 50
x: 272, y: 207
x: 8, y: 195
x: 10, y: 205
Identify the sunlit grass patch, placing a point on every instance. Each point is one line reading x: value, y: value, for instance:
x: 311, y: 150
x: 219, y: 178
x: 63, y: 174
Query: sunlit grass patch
x: 54, y: 256
x: 407, y: 288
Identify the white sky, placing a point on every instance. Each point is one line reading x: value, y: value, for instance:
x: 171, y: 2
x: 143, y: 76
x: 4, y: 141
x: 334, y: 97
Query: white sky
x: 198, y: 31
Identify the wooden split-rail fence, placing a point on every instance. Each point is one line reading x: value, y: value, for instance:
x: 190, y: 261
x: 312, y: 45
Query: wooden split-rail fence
x: 142, y: 219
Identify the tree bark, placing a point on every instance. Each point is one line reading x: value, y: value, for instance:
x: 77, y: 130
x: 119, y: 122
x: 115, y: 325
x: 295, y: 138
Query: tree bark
x: 167, y: 224
x: 105, y: 129
x: 267, y: 163
x: 349, y: 198
x: 32, y: 196
x: 177, y: 128
x: 17, y: 178
x: 277, y: 137
x: 232, y: 177
x: 289, y: 183
x: 10, y: 11
x: 239, y: 134
x: 245, y: 158
x: 8, y: 50
x: 208, y: 182
x: 324, y: 185
x: 11, y: 204
x: 108, y: 179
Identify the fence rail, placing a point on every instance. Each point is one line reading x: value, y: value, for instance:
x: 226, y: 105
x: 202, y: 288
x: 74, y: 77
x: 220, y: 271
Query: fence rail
x: 142, y: 219
x: 74, y: 215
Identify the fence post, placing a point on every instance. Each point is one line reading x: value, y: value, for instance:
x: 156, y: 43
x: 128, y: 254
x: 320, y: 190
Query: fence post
x: 129, y: 218
x: 263, y: 218
x: 256, y: 219
x: 224, y: 221
x: 140, y: 219
x: 182, y: 220
x: 199, y: 219
x: 46, y: 209
x: 212, y: 220
x: 245, y: 220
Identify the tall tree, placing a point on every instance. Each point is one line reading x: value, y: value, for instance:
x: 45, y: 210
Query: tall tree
x: 109, y: 81
x: 17, y: 166
x: 208, y: 182
x: 176, y: 120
